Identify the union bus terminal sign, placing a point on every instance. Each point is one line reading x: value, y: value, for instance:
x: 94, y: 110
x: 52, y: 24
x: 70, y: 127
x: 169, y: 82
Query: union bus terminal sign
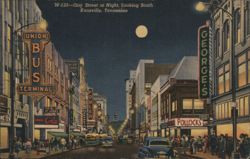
x: 36, y: 41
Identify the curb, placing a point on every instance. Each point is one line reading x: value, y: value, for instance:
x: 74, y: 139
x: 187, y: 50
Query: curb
x: 44, y: 157
x: 191, y: 156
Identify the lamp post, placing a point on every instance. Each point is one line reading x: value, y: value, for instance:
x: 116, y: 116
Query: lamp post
x: 201, y: 6
x: 42, y: 25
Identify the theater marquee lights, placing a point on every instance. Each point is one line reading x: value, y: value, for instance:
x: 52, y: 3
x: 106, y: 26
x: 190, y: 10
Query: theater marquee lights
x: 36, y: 40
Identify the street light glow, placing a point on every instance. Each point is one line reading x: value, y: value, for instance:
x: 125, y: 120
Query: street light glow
x: 43, y: 24
x: 201, y: 7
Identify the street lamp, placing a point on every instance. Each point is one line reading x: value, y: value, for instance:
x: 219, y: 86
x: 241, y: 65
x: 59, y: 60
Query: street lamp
x: 42, y: 25
x: 201, y: 6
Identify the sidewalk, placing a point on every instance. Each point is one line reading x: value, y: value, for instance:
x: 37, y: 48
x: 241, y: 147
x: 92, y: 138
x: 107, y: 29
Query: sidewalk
x: 33, y: 154
x: 202, y: 155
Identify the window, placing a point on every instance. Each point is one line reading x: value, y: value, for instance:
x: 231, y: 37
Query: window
x: 243, y: 69
x: 226, y: 36
x: 217, y: 43
x: 198, y: 104
x: 223, y: 79
x: 187, y: 104
x: 248, y: 18
x: 223, y: 111
x: 174, y: 106
x: 243, y: 106
x: 9, y: 38
x: 237, y: 26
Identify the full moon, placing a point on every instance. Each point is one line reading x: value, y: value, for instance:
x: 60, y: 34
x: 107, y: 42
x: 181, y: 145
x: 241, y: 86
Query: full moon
x: 141, y: 31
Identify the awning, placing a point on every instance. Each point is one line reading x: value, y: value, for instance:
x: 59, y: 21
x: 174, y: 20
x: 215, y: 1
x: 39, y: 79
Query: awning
x: 77, y: 134
x: 58, y: 134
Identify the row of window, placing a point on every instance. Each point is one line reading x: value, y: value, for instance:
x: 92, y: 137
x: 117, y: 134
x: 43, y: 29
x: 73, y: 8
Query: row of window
x: 238, y: 31
x: 243, y: 73
x: 223, y: 110
x: 187, y: 106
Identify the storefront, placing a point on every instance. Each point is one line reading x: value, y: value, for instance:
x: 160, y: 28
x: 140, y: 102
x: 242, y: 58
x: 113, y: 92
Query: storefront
x: 43, y: 124
x: 242, y: 128
x: 184, y: 126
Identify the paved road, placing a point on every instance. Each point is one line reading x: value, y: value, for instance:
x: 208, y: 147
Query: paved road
x: 116, y: 152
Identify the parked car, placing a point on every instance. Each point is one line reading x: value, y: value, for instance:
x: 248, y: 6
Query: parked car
x: 107, y: 142
x: 156, y: 147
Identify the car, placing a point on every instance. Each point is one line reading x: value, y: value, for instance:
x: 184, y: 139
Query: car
x: 156, y: 147
x: 92, y: 140
x: 107, y: 142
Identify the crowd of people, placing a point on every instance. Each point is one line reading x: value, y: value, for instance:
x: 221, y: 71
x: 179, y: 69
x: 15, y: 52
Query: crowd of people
x: 53, y: 144
x: 221, y: 145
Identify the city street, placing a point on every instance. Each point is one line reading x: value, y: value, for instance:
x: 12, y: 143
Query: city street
x: 116, y: 152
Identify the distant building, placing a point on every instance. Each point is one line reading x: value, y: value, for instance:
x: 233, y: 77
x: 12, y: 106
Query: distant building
x: 129, y: 84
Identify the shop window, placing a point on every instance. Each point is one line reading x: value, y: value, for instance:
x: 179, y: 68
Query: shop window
x: 223, y: 79
x: 226, y: 36
x: 223, y: 111
x: 243, y: 106
x: 237, y: 26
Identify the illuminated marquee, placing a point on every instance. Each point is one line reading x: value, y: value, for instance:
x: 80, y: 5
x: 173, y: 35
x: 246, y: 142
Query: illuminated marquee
x: 36, y: 41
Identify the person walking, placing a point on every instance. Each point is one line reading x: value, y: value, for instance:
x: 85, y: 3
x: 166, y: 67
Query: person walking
x: 222, y: 146
x: 28, y: 146
x: 213, y: 144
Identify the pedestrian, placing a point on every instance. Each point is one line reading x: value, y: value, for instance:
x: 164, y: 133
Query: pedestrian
x: 229, y: 147
x: 205, y: 144
x: 243, y: 145
x: 17, y: 144
x: 28, y: 146
x: 213, y: 144
x: 222, y: 146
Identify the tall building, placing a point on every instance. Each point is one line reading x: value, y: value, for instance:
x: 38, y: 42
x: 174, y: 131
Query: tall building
x: 129, y: 84
x: 100, y: 112
x: 13, y: 15
x: 146, y: 73
x: 222, y: 79
x: 54, y: 105
x: 74, y: 94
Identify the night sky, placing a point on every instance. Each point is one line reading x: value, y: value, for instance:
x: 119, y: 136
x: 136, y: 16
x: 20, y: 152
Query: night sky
x: 110, y: 47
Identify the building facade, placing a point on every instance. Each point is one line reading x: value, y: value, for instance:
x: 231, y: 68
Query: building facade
x: 13, y: 15
x: 129, y: 85
x: 181, y: 110
x: 222, y: 97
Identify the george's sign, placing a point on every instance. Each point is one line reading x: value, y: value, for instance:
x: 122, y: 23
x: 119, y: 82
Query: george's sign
x: 204, y: 55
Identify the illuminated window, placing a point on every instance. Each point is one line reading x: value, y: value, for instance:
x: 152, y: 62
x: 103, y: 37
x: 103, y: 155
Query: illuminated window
x: 243, y: 106
x: 174, y: 106
x: 8, y: 38
x: 198, y: 104
x: 217, y: 112
x: 226, y: 36
x: 223, y: 79
x: 217, y: 43
x: 223, y: 111
x: 237, y: 26
x: 187, y: 104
